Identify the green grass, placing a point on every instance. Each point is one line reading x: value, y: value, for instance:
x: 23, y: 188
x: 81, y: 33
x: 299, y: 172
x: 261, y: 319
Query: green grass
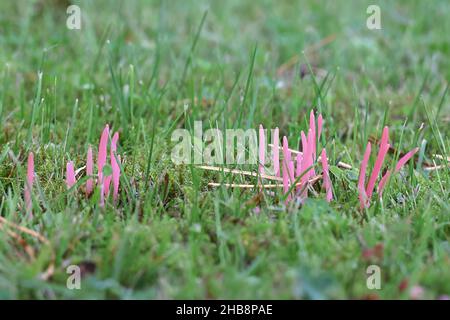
x: 134, y: 64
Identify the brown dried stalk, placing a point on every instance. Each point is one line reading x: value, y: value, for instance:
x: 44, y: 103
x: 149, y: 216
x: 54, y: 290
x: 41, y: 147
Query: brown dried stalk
x: 243, y: 172
x: 340, y: 163
x: 28, y: 249
x: 264, y: 186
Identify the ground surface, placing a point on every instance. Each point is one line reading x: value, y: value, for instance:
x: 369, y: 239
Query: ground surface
x: 136, y: 65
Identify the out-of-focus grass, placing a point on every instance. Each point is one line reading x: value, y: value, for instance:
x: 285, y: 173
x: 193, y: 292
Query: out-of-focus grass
x: 134, y: 65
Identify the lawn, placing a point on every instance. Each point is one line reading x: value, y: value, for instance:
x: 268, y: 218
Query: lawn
x: 147, y: 68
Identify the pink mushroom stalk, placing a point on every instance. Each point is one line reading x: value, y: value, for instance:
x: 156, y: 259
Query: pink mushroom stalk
x: 70, y: 175
x: 305, y: 165
x: 365, y: 193
x: 115, y: 166
x: 312, y: 127
x: 308, y: 157
x: 291, y: 172
x: 384, y: 147
x: 312, y: 153
x: 298, y: 169
x: 106, y: 184
x: 102, y: 196
x: 101, y: 161
x: 383, y: 181
x: 403, y: 160
x: 319, y: 126
x: 102, y: 153
x: 286, y: 180
x: 287, y: 167
x: 286, y: 151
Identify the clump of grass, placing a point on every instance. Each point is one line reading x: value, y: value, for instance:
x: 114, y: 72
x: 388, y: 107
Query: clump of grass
x: 365, y: 192
x: 104, y: 178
